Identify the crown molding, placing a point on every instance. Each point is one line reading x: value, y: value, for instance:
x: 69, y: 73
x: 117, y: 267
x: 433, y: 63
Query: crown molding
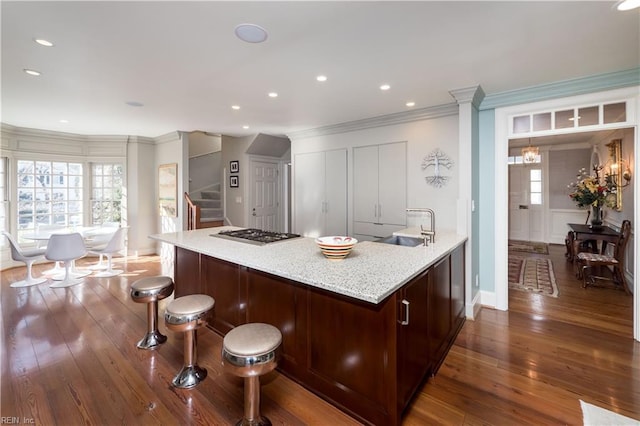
x: 26, y: 132
x: 559, y: 89
x: 167, y: 138
x: 473, y: 94
x: 379, y: 121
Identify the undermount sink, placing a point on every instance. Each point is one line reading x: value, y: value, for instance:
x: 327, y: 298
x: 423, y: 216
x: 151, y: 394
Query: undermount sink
x: 400, y: 241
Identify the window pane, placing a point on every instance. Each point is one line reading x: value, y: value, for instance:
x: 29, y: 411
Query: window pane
x: 542, y: 121
x: 615, y: 113
x: 536, y: 187
x: 521, y: 124
x: 564, y: 119
x: 588, y: 116
x: 536, y: 198
x: 536, y: 174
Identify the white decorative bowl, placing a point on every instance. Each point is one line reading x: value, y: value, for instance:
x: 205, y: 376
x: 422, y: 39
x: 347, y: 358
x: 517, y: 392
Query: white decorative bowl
x: 336, y: 247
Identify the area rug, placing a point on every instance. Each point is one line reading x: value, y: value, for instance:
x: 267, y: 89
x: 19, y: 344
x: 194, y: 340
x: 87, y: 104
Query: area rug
x: 596, y: 416
x: 529, y: 247
x: 533, y: 275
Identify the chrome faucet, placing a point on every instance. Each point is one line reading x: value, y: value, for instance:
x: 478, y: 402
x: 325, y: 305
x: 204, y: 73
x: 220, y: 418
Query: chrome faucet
x: 428, y: 235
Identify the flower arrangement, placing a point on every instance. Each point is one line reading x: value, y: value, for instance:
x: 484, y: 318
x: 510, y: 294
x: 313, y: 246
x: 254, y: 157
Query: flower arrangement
x: 591, y: 190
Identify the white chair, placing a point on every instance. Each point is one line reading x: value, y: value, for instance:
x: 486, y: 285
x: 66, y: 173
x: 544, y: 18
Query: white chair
x: 99, y: 240
x: 66, y: 248
x: 115, y: 244
x: 47, y: 230
x: 28, y: 257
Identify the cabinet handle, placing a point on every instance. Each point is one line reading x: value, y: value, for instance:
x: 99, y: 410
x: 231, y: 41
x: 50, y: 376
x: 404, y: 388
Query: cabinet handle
x: 379, y: 210
x: 405, y: 321
x: 375, y: 210
x: 326, y: 207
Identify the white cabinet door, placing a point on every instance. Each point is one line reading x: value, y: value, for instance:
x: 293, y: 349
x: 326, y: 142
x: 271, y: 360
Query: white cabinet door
x: 392, y: 178
x: 320, y: 185
x: 365, y: 184
x: 309, y: 190
x: 380, y: 184
x: 335, y: 207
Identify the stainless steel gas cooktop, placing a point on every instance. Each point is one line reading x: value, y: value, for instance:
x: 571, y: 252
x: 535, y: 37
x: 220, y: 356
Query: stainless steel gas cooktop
x: 255, y: 236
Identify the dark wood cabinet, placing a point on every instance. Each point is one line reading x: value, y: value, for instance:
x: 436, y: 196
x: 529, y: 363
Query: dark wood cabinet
x: 457, y: 288
x: 439, y: 311
x: 413, y: 336
x: 367, y: 359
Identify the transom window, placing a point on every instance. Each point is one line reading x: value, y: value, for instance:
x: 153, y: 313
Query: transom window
x: 49, y: 193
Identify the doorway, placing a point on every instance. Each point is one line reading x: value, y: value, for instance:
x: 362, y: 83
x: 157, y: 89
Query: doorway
x: 264, y: 195
x: 526, y: 207
x: 503, y: 117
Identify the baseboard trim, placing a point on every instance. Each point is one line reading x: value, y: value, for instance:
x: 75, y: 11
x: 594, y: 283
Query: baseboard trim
x: 472, y: 309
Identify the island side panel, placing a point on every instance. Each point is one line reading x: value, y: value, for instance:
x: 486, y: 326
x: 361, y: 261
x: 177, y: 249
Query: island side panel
x: 224, y: 282
x: 186, y: 274
x: 281, y: 303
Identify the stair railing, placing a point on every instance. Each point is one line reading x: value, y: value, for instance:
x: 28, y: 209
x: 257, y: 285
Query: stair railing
x: 193, y: 213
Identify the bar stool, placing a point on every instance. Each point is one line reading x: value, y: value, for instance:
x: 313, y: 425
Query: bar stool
x: 149, y: 290
x: 249, y: 351
x: 187, y: 314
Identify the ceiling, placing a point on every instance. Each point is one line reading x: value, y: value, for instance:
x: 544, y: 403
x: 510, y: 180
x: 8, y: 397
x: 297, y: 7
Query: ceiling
x: 183, y: 62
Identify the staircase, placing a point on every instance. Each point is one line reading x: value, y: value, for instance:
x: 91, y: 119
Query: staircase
x: 205, y: 208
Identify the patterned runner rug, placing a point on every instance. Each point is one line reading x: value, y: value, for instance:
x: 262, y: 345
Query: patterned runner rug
x: 533, y: 275
x: 528, y: 247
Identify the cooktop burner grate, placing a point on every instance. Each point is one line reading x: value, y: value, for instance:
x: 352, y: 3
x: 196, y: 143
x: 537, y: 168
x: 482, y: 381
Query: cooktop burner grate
x: 255, y: 236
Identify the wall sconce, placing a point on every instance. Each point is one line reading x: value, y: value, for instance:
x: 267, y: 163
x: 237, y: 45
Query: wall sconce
x: 619, y: 171
x: 530, y: 154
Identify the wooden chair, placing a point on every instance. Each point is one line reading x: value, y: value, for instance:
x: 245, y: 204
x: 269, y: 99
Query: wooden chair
x: 575, y: 246
x: 586, y: 261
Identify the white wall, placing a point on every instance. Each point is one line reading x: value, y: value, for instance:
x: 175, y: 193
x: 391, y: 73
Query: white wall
x: 234, y: 149
x: 141, y: 212
x: 422, y: 137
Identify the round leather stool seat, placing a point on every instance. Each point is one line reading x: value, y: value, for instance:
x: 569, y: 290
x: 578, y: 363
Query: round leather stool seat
x: 249, y: 351
x: 187, y: 314
x: 149, y: 290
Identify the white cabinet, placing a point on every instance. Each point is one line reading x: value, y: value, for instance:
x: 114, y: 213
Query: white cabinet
x: 320, y: 192
x: 379, y: 187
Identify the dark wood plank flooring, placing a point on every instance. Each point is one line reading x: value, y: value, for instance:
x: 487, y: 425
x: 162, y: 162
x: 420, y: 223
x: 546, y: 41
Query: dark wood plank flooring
x: 68, y: 357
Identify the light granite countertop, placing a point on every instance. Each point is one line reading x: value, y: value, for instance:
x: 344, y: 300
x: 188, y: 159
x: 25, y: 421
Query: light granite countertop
x: 371, y: 272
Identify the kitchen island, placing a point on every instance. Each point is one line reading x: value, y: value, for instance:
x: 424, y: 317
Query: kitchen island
x: 363, y: 332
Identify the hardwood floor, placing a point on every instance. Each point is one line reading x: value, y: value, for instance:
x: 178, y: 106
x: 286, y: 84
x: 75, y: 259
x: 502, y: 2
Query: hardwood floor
x: 68, y: 357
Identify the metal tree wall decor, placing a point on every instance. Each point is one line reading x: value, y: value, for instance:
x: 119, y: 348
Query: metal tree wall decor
x: 436, y: 161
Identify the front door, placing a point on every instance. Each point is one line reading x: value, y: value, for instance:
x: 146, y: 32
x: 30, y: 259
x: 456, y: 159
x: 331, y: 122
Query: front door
x: 525, y: 203
x: 264, y: 196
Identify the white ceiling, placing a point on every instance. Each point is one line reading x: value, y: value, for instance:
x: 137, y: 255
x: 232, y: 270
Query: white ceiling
x: 184, y: 63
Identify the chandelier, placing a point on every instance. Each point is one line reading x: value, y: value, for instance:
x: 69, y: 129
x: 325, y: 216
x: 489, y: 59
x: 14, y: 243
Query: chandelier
x: 530, y: 154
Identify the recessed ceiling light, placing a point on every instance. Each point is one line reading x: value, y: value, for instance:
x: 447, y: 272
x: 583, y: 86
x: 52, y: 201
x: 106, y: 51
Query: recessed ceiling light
x: 251, y: 33
x: 385, y: 87
x: 628, y: 4
x: 64, y: 121
x: 245, y: 127
x: 32, y: 72
x: 410, y: 104
x: 236, y: 107
x: 134, y: 103
x: 43, y: 42
x: 273, y: 95
x: 321, y: 78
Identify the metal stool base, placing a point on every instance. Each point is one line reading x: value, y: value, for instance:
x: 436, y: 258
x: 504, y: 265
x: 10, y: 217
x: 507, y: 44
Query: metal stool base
x: 260, y: 421
x: 189, y: 376
x: 152, y: 340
